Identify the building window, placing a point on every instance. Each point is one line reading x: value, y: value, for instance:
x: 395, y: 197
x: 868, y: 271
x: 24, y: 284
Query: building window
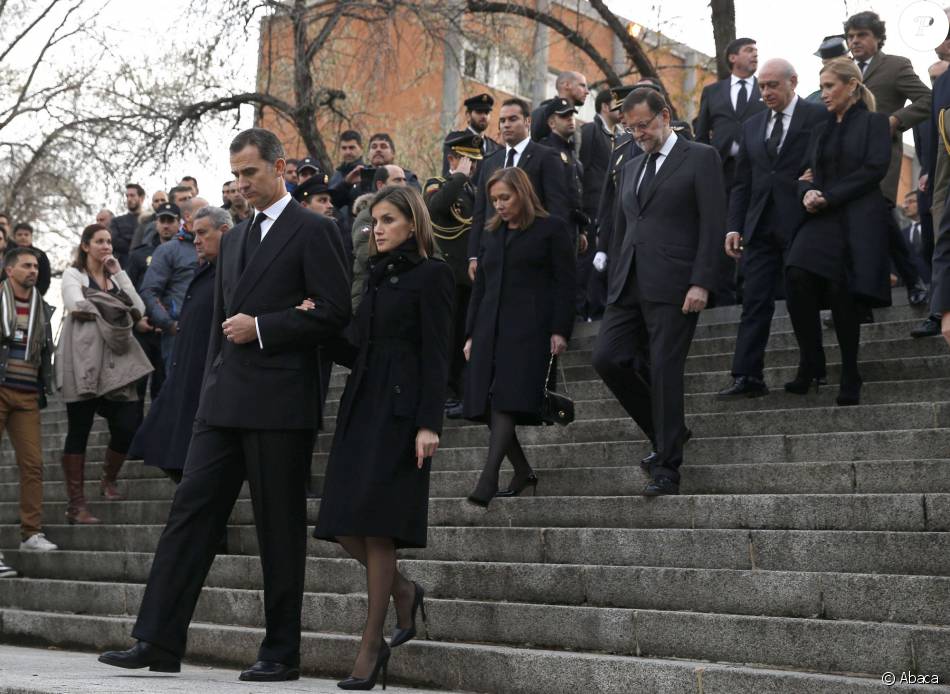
x: 475, y: 63
x: 497, y: 69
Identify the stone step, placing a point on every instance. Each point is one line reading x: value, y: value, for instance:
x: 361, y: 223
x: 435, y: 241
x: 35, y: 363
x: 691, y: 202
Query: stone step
x: 822, y: 645
x: 839, y: 477
x: 471, y: 667
x: 849, y: 551
x: 821, y: 595
x: 902, y: 512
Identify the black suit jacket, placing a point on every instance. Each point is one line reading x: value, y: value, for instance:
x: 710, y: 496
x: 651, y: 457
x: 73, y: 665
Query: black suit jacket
x: 759, y: 180
x: 545, y: 169
x: 275, y: 387
x: 674, y: 240
x: 940, y: 279
x: 625, y: 151
x: 596, y: 146
x: 718, y: 124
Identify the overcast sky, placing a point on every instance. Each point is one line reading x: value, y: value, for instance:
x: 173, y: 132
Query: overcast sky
x: 794, y: 35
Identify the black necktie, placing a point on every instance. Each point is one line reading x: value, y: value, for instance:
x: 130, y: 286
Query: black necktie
x: 914, y: 235
x: 775, y: 139
x: 743, y: 98
x: 648, y: 175
x: 510, y: 159
x: 862, y: 64
x: 254, y: 236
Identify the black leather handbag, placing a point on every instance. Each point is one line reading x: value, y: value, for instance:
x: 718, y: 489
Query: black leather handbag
x: 556, y: 408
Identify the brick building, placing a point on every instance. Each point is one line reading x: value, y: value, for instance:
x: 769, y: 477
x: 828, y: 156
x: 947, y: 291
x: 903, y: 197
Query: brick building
x: 409, y: 78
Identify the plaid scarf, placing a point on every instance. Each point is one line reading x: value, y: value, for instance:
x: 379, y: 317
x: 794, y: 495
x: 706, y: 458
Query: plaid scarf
x: 35, y: 333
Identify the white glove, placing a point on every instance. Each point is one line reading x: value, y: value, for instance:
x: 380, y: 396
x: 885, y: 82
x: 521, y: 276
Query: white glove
x: 600, y: 261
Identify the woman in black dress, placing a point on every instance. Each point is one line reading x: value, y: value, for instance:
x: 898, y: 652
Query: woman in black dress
x: 376, y: 494
x: 521, y: 312
x: 839, y: 256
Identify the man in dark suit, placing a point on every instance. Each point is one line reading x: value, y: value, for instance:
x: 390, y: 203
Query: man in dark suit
x: 569, y: 85
x: 941, y: 277
x: 723, y: 108
x: 764, y: 210
x: 542, y: 165
x: 670, y: 221
x: 258, y: 409
x: 478, y: 110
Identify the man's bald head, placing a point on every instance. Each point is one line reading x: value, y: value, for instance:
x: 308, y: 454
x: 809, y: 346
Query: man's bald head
x: 572, y: 86
x: 189, y: 208
x: 777, y: 82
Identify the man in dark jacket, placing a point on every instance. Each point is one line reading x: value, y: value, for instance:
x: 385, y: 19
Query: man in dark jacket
x: 162, y: 440
x: 478, y: 110
x: 124, y: 226
x: 23, y: 237
x: 569, y: 85
x: 764, y: 212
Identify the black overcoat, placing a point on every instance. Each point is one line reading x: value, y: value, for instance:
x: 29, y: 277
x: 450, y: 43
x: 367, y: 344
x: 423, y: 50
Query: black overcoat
x: 163, y: 438
x: 523, y: 294
x: 847, y: 241
x: 398, y: 350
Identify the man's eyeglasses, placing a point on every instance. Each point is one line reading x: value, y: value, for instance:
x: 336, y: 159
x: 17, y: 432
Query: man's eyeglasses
x: 636, y: 127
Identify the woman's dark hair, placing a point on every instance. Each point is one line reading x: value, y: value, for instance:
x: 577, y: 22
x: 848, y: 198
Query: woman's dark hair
x: 411, y: 205
x: 265, y: 141
x: 518, y: 181
x: 870, y: 21
x: 81, y: 255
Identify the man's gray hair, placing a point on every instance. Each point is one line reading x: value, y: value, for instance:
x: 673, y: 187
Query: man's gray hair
x: 219, y: 216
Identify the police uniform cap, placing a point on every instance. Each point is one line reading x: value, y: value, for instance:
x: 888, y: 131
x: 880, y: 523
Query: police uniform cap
x: 168, y: 209
x: 618, y: 94
x: 832, y: 47
x: 479, y: 102
x: 464, y: 143
x: 308, y: 163
x: 318, y: 184
x: 560, y: 106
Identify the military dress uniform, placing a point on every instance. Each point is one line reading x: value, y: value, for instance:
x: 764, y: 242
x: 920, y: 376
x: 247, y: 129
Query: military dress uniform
x: 479, y: 102
x: 451, y: 201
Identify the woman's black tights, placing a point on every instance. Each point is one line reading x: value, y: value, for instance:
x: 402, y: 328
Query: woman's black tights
x: 502, y: 442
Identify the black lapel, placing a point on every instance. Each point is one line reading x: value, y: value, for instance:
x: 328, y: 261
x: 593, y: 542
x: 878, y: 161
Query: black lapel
x: 526, y: 155
x: 232, y: 262
x: 281, y: 231
x: 671, y: 164
x: 794, y: 127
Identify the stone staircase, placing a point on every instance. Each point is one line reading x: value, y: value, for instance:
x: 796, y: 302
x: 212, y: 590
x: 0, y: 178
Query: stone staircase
x: 808, y: 553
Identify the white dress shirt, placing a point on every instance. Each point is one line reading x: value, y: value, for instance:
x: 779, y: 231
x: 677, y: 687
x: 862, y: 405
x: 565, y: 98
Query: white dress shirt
x: 519, y: 149
x: 734, y: 88
x: 786, y: 121
x: 665, y: 149
x: 270, y: 216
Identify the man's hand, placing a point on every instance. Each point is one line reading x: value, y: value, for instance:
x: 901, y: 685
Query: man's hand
x: 353, y: 177
x: 558, y: 345
x: 143, y: 326
x: 467, y: 349
x: 808, y: 176
x: 306, y: 305
x: 945, y: 327
x: 696, y: 299
x: 894, y: 123
x: 472, y: 267
x: 582, y: 244
x: 734, y: 245
x: 814, y: 201
x: 427, y: 443
x: 600, y: 261
x: 464, y: 167
x: 240, y: 329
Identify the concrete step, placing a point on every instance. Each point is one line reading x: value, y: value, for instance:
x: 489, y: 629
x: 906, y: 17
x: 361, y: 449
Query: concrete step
x: 849, y: 551
x: 821, y: 595
x: 824, y: 645
x: 903, y: 512
x: 472, y: 667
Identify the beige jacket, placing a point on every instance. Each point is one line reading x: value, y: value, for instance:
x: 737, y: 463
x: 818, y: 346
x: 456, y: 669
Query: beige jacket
x: 99, y: 356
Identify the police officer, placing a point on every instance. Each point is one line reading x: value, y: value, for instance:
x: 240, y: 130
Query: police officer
x: 451, y: 201
x: 478, y: 110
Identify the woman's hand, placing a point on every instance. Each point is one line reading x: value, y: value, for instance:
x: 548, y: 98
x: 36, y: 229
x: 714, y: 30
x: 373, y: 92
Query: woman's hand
x: 467, y: 349
x: 111, y: 264
x: 808, y: 176
x: 143, y: 326
x: 306, y: 305
x: 427, y: 443
x: 558, y: 345
x: 814, y: 201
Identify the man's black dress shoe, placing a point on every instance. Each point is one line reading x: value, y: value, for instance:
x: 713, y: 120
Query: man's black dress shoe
x: 749, y: 386
x: 453, y: 409
x: 267, y: 671
x: 647, y: 463
x: 917, y: 294
x: 661, y: 486
x: 143, y: 654
x: 930, y: 327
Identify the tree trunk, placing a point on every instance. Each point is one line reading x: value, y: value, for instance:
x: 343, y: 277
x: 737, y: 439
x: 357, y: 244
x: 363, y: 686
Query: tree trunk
x: 724, y: 31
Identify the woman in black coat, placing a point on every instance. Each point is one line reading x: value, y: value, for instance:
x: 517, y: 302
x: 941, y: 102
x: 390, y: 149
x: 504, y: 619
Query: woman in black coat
x: 839, y: 256
x: 521, y: 313
x: 376, y: 494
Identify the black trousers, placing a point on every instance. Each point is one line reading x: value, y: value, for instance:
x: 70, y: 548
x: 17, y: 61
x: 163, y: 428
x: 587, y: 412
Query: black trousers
x: 763, y: 268
x: 640, y: 354
x: 123, y: 416
x: 275, y: 465
x: 901, y: 251
x: 463, y: 293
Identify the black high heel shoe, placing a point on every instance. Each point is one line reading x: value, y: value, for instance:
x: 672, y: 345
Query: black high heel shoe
x: 485, y: 490
x: 367, y: 683
x: 400, y: 636
x: 515, y: 488
x: 849, y: 392
x: 802, y: 383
